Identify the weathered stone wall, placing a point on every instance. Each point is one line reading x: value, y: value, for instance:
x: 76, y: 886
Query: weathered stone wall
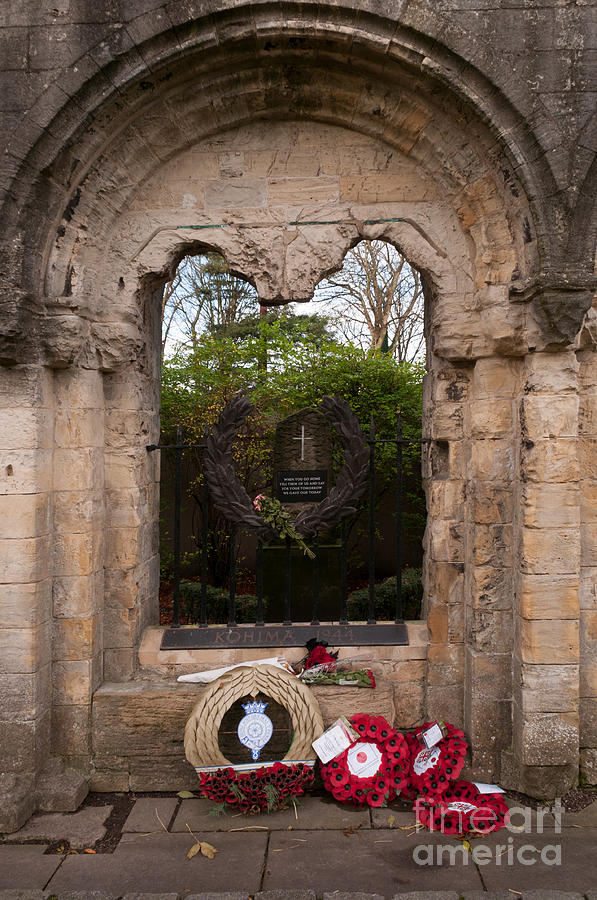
x: 475, y: 129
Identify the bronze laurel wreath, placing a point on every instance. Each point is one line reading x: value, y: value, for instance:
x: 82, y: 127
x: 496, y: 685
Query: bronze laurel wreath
x: 233, y: 502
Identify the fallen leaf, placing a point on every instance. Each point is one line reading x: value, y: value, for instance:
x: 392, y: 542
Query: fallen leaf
x: 185, y: 795
x: 208, y: 850
x: 195, y: 849
x: 88, y: 850
x: 467, y: 846
x: 391, y: 821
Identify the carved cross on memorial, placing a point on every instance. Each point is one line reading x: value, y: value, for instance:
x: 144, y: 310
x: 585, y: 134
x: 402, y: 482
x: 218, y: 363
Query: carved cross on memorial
x: 302, y: 457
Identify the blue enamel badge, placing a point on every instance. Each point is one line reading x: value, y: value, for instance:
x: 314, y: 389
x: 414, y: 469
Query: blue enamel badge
x: 255, y: 730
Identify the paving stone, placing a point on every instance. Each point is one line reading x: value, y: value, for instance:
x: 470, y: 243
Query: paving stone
x: 380, y: 817
x: 158, y: 863
x: 290, y: 895
x: 82, y: 895
x: 488, y: 895
x: 144, y: 815
x: 147, y: 897
x: 434, y: 895
x: 586, y: 817
x: 379, y: 861
x: 551, y: 895
x: 534, y: 821
x: 312, y: 813
x: 352, y: 895
x: 573, y: 862
x: 80, y: 829
x: 225, y: 896
x: 22, y: 895
x: 26, y: 867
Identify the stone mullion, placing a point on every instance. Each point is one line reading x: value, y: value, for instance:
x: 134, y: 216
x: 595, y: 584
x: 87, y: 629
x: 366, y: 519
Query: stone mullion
x: 132, y: 514
x: 546, y: 652
x: 78, y: 479
x: 446, y: 390
x: 26, y: 423
x: 488, y: 588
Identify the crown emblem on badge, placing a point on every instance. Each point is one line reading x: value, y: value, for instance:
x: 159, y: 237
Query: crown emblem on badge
x: 254, y: 707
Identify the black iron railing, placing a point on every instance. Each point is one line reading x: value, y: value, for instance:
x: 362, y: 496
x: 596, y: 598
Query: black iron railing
x: 260, y: 633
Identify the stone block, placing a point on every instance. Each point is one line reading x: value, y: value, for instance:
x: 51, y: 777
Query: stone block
x: 25, y: 386
x: 24, y: 560
x: 75, y: 639
x: 78, y: 428
x: 445, y: 581
x: 551, y: 505
x: 337, y: 701
x: 147, y: 812
x: 495, y: 377
x: 446, y: 541
x: 549, y: 642
x: 490, y: 630
x: 548, y: 688
x: 491, y: 588
x: 25, y: 605
x: 242, y: 192
x: 542, y: 782
x: 120, y: 665
x: 437, y: 621
x: 123, y: 547
x: 551, y: 373
x: 492, y: 460
x: 491, y: 503
x: 549, y: 551
x: 301, y: 190
x: 549, y: 596
x: 78, y: 389
x: 25, y: 429
x: 71, y: 734
x: 24, y: 650
x: 491, y: 418
x: 61, y: 788
x: 18, y: 746
x: 588, y: 722
x: 446, y: 499
x: 121, y: 627
x: 445, y: 664
x: 445, y: 702
x: 409, y: 704
x: 549, y: 416
x: 553, y: 461
x: 549, y: 739
x: 17, y: 800
x: 78, y: 554
x: 587, y: 456
x: 492, y: 545
x: 161, y: 773
x: 588, y: 545
x: 24, y: 515
x: 77, y: 595
x: 489, y: 723
x: 447, y: 422
x: 588, y: 502
x: 72, y: 682
x: 588, y: 765
x: 81, y: 830
x: 489, y: 675
x: 26, y: 696
x: 383, y: 188
x: 78, y: 512
x: 78, y: 470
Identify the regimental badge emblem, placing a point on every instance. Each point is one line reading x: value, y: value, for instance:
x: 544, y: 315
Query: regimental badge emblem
x: 255, y: 729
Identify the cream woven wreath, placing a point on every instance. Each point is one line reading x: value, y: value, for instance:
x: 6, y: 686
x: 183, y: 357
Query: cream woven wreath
x: 201, y: 731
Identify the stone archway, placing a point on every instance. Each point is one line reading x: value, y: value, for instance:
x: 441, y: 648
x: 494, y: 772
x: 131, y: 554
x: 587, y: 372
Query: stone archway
x: 228, y: 144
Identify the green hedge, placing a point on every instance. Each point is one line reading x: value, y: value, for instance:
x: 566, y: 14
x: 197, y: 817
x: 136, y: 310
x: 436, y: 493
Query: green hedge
x: 385, y: 598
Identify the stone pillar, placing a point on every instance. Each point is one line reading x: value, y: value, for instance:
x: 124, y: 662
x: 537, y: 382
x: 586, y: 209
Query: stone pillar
x: 446, y: 391
x: 588, y: 562
x: 488, y: 583
x: 78, y: 547
x: 544, y: 761
x: 25, y: 586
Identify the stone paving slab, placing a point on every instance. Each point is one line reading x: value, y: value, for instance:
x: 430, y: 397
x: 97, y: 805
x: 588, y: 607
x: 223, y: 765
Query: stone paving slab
x: 529, y: 818
x: 289, y: 895
x: 369, y: 861
x: 586, y: 817
x: 26, y: 867
x: 158, y: 863
x: 529, y: 872
x: 81, y: 829
x: 311, y: 813
x: 430, y: 895
x: 144, y: 815
x: 380, y: 817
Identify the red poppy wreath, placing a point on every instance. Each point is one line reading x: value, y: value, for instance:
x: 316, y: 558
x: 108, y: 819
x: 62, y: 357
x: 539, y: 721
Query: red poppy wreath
x: 462, y: 809
x: 373, y: 769
x: 432, y: 769
x: 267, y: 788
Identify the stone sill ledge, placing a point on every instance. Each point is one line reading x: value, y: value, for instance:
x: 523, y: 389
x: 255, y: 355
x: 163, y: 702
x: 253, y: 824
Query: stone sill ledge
x: 180, y: 662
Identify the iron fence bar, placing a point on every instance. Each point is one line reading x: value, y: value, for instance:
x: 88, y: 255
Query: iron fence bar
x: 204, y: 543
x: 288, y: 584
x: 343, y: 571
x: 232, y: 564
x: 399, y: 522
x: 259, y: 620
x: 315, y: 610
x: 371, y: 620
x: 177, y: 503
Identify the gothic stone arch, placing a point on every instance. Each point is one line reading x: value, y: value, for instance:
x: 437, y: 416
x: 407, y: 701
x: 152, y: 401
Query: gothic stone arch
x: 243, y: 126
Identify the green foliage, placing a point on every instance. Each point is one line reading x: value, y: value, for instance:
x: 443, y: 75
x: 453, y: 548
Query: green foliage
x: 385, y: 598
x: 216, y: 603
x: 278, y: 518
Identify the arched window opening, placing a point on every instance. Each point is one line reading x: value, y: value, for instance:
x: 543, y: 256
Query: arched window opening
x: 361, y: 337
